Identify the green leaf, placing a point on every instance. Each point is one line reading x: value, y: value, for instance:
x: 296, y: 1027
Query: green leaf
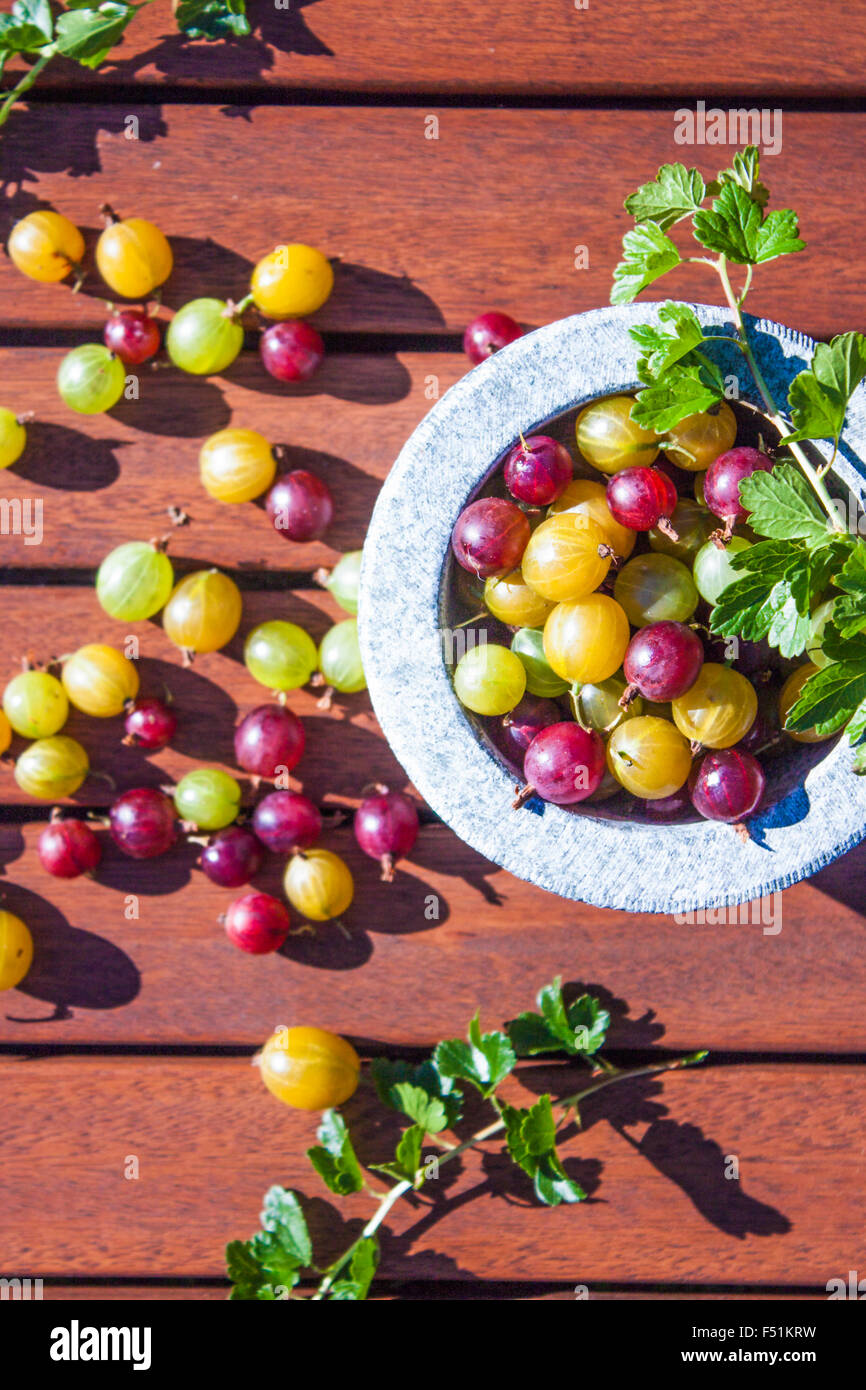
x: 426, y: 1111
x: 407, y: 1156
x: 335, y: 1161
x: 282, y: 1216
x: 579, y: 1028
x: 736, y: 227
x: 647, y: 254
x: 746, y: 164
x: 783, y: 506
x: 88, y: 35
x: 242, y: 1266
x: 212, y: 19
x: 18, y: 36
x: 857, y: 732
x: 829, y: 697
x: 484, y: 1061
x: 858, y: 764
x: 849, y: 609
x: 388, y: 1076
x: 531, y: 1140
x: 35, y: 12
x: 362, y: 1269
x: 662, y: 346
x: 774, y: 597
x: 674, y: 193
x: 538, y: 1130
x: 263, y: 1267
x: 552, y: 1185
x: 685, y: 389
x: 818, y: 397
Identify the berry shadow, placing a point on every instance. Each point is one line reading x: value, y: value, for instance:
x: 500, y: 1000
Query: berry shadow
x: 429, y: 853
x: 59, y: 457
x: 72, y: 969
x: 349, y: 526
x: 378, y: 378
x: 11, y: 847
x: 146, y: 878
x: 206, y: 714
x: 174, y: 404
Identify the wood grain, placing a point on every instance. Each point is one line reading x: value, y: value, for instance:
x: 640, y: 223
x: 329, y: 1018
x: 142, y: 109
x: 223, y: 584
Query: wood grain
x: 429, y: 232
x: 209, y: 1141
x: 585, y: 51
x: 107, y: 478
x: 405, y: 976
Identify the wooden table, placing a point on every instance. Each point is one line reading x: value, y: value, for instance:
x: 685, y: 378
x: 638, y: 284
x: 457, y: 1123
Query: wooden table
x: 132, y: 1034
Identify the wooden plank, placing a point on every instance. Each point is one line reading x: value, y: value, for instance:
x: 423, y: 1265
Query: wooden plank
x: 209, y: 1141
x: 345, y: 747
x: 112, y: 477
x: 429, y: 232
x: 405, y: 976
x: 586, y: 50
x: 426, y: 1292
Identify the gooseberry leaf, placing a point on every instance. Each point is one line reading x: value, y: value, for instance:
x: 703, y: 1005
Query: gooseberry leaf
x: 774, y: 597
x: 818, y: 397
x: 88, y: 35
x: 362, y: 1269
x: 849, y: 609
x: 830, y: 696
x: 675, y: 192
x: 21, y: 36
x: 856, y: 734
x: 736, y: 227
x: 267, y: 1266
x: 531, y: 1139
x: 426, y: 1111
x: 243, y: 1268
x: 647, y: 254
x: 485, y: 1060
x: 389, y: 1075
x: 686, y: 388
x: 578, y: 1028
x: 676, y: 334
x: 283, y: 1217
x: 212, y: 19
x: 407, y: 1156
x: 334, y: 1159
x: 782, y: 506
x: 744, y: 171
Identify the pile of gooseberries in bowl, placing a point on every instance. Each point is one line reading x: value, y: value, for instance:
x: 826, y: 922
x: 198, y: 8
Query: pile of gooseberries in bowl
x: 577, y: 720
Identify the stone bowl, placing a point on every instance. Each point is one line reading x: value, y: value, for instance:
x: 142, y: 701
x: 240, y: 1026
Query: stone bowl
x: 816, y: 806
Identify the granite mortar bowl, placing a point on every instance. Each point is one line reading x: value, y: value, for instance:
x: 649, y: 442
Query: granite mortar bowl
x: 815, y: 808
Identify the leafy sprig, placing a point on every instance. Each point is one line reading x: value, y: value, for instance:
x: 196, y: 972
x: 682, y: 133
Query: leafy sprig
x: 806, y: 553
x: 86, y: 31
x: 271, y: 1264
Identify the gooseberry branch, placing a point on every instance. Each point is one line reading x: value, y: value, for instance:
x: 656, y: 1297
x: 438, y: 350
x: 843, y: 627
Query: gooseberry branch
x: 815, y: 478
x: 387, y: 1200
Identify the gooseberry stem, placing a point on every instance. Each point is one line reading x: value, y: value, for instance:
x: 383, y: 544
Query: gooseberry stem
x: 812, y: 475
x: 389, y: 1199
x: 24, y: 85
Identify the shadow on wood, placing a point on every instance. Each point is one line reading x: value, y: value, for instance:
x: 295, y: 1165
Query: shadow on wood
x: 71, y: 968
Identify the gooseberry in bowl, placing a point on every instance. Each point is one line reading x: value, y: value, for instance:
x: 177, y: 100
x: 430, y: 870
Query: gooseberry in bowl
x: 591, y: 593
